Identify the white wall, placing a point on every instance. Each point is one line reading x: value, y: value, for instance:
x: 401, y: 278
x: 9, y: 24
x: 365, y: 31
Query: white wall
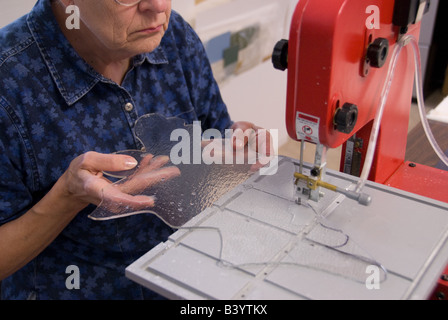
x: 257, y: 95
x: 13, y: 9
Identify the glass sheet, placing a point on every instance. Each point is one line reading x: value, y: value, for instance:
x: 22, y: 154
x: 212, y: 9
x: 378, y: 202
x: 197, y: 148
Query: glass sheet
x: 180, y: 190
x: 292, y: 235
x: 254, y: 245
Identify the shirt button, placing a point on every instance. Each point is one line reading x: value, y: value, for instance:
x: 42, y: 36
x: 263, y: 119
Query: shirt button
x: 129, y: 107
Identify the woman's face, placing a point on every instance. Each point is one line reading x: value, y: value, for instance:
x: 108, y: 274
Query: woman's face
x: 125, y: 30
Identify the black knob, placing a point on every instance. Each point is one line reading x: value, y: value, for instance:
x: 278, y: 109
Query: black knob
x: 377, y: 52
x: 280, y: 55
x: 345, y: 118
x: 315, y: 172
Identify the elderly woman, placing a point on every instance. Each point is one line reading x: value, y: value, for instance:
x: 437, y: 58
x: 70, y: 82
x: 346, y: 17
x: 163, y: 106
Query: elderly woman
x: 69, y: 98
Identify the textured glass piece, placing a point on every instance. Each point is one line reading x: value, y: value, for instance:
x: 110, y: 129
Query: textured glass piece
x: 181, y: 172
x: 254, y: 245
x: 332, y: 250
x: 259, y: 228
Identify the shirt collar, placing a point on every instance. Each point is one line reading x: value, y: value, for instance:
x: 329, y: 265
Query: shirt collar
x: 155, y: 57
x: 73, y: 76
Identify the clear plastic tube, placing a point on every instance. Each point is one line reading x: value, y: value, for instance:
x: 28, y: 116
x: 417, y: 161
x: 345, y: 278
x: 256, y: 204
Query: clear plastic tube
x: 378, y: 116
x: 421, y: 102
x: 405, y: 40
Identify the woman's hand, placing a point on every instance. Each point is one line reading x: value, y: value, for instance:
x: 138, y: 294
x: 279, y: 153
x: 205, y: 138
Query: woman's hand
x: 85, y: 183
x: 247, y: 134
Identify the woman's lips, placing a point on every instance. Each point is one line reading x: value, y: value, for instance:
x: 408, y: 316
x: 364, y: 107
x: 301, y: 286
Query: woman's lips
x: 151, y: 29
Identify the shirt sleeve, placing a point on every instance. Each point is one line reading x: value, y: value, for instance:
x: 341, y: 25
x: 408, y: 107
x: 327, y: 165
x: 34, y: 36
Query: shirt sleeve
x: 15, y: 197
x: 204, y: 90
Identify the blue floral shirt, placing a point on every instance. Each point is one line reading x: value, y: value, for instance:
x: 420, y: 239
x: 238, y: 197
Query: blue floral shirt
x: 54, y: 107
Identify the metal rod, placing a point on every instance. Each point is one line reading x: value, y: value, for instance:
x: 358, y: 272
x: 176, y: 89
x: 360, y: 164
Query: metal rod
x: 361, y: 198
x: 302, y: 149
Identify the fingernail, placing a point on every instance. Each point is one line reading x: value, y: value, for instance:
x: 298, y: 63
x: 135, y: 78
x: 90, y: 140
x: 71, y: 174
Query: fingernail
x: 152, y: 200
x: 130, y: 163
x: 238, y: 143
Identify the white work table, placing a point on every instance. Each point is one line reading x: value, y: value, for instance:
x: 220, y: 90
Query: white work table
x: 257, y: 243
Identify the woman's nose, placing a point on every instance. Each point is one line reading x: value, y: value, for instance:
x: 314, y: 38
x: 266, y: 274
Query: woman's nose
x: 155, y: 5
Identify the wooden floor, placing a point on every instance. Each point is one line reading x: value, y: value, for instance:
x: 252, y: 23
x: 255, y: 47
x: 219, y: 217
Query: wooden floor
x: 418, y: 147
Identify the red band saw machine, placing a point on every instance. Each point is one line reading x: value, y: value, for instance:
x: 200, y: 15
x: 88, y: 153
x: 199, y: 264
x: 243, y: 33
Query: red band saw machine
x: 350, y: 83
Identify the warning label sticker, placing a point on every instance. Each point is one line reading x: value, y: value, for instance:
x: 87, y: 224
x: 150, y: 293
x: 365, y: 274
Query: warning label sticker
x: 307, y: 127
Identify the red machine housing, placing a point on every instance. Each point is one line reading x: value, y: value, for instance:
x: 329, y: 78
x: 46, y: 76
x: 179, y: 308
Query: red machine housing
x: 327, y: 49
x: 327, y: 52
